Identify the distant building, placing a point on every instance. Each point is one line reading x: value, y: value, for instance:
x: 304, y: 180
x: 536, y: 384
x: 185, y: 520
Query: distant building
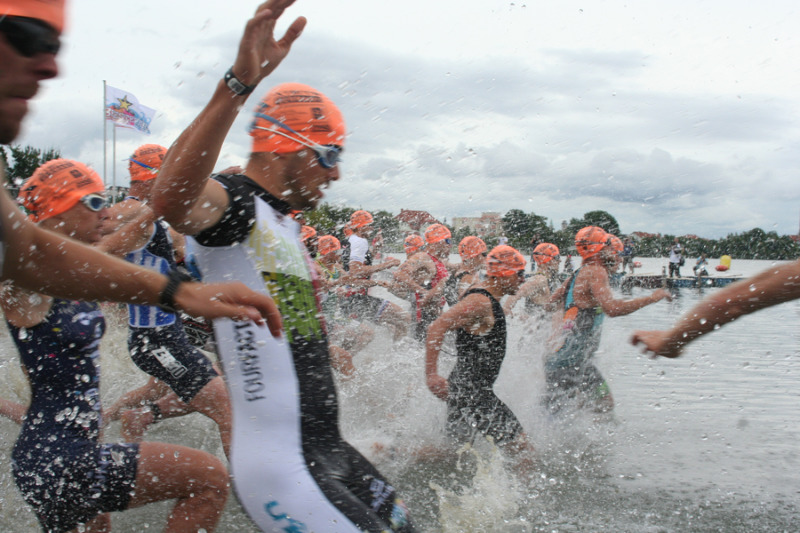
x: 489, y: 224
x: 414, y: 220
x: 639, y: 235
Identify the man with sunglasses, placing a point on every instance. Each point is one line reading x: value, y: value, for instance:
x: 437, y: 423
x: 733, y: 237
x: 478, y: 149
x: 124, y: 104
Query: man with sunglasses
x: 291, y: 467
x: 29, y: 39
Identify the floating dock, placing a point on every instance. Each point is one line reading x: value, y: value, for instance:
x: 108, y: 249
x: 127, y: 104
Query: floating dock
x: 656, y: 281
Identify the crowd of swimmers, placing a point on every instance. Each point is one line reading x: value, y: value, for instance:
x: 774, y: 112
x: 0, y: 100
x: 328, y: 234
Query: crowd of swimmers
x: 250, y: 262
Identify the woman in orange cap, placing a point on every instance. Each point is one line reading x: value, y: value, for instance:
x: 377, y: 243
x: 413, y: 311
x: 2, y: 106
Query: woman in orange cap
x: 480, y: 326
x: 347, y: 336
x: 58, y: 344
x: 357, y: 260
x: 536, y: 291
x: 472, y: 251
x: 182, y: 379
x: 423, y: 275
x: 571, y: 376
x: 413, y: 244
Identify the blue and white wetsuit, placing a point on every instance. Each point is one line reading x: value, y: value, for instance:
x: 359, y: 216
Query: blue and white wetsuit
x: 156, y: 339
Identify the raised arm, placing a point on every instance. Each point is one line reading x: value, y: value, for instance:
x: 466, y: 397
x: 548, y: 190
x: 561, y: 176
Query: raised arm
x: 771, y: 287
x: 182, y: 194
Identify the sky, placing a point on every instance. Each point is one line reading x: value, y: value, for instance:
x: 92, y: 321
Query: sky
x: 676, y: 117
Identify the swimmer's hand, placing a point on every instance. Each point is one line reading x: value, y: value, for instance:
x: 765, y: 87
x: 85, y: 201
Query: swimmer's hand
x: 233, y: 300
x: 662, y: 294
x: 438, y: 386
x: 391, y: 262
x: 259, y: 51
x: 657, y: 343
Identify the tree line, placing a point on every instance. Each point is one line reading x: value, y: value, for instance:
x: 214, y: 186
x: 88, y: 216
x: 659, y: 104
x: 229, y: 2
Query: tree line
x: 522, y: 229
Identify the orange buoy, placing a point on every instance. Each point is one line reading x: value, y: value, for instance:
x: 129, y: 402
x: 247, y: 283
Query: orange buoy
x: 722, y: 268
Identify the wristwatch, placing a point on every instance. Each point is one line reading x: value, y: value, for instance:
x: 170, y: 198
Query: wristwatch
x: 235, y: 85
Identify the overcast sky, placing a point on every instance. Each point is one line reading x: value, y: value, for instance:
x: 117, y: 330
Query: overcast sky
x: 676, y: 119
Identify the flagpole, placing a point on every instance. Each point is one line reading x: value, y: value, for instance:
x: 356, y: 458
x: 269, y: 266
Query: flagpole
x: 114, y: 162
x: 105, y: 136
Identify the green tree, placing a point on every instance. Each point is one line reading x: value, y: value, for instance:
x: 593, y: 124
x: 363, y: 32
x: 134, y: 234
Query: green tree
x: 22, y: 161
x: 329, y: 220
x: 459, y: 234
x: 521, y: 228
x: 603, y: 219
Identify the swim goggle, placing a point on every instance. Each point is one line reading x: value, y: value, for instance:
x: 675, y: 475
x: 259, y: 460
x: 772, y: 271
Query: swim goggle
x: 148, y: 167
x: 327, y: 155
x: 94, y: 202
x: 29, y: 36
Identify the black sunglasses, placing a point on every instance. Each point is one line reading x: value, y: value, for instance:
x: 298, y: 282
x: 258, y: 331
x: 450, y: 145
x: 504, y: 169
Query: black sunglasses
x: 30, y: 36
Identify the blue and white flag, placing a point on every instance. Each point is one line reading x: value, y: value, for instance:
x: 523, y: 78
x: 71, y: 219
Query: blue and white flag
x: 125, y: 111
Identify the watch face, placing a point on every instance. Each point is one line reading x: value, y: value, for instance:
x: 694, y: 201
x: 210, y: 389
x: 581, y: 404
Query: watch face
x: 235, y: 85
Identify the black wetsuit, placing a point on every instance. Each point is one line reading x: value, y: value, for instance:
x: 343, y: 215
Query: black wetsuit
x: 451, y: 287
x: 292, y: 469
x: 472, y: 405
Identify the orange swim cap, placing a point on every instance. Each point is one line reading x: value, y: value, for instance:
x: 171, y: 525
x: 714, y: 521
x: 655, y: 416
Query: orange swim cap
x: 470, y: 247
x: 590, y: 240
x: 146, y: 161
x: 616, y: 244
x: 413, y: 243
x: 49, y: 11
x: 303, y: 109
x: 545, y: 252
x: 436, y: 233
x: 504, y: 261
x: 359, y: 219
x: 328, y: 244
x: 56, y: 187
x: 307, y: 232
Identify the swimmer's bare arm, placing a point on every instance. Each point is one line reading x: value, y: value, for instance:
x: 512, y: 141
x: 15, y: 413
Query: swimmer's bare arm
x: 12, y: 410
x: 183, y: 194
x: 768, y: 288
x: 433, y: 295
x: 120, y: 214
x: 357, y: 268
x: 48, y: 263
x: 130, y: 236
x: 536, y: 286
x: 602, y: 295
x: 467, y: 313
x: 409, y: 273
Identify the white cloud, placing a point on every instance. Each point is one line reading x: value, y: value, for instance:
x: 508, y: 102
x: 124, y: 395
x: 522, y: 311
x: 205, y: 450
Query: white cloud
x: 678, y: 118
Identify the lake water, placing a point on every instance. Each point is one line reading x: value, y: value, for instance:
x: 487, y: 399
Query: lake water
x: 707, y: 442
